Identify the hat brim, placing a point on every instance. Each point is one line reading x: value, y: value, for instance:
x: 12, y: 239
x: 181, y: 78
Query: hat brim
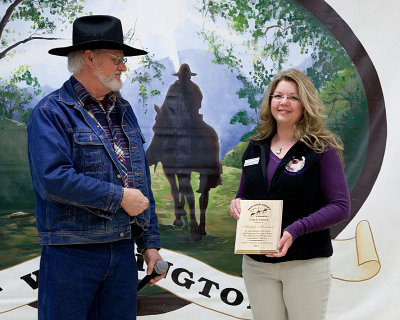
x: 179, y: 73
x: 91, y: 45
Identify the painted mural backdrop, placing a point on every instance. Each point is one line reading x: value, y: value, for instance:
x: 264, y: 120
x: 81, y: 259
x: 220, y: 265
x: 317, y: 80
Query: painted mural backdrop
x: 197, y: 97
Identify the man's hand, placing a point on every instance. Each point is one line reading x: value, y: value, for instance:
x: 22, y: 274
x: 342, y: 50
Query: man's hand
x: 134, y: 202
x: 151, y: 256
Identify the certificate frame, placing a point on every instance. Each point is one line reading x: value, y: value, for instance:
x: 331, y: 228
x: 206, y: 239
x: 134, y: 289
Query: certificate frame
x: 259, y: 227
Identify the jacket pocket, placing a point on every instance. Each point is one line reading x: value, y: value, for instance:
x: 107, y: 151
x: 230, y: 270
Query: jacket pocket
x: 72, y: 218
x: 89, y: 154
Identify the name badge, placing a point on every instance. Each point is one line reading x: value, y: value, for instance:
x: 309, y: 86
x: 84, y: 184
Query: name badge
x: 251, y: 162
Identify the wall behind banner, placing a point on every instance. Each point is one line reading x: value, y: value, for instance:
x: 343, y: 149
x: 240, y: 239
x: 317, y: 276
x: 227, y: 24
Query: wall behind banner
x: 357, y: 114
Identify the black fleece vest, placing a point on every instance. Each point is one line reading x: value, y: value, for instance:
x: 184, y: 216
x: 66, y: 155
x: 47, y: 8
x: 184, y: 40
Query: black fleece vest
x: 296, y: 181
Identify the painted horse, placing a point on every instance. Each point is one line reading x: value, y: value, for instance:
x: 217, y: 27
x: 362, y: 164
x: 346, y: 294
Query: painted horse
x: 184, y: 143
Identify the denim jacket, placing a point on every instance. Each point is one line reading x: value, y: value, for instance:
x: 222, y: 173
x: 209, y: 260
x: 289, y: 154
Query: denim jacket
x: 77, y: 176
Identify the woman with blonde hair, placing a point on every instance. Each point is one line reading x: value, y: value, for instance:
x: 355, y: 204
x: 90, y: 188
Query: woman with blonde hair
x: 294, y: 158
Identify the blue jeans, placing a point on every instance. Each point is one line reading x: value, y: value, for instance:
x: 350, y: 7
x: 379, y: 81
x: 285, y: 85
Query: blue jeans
x: 88, y: 282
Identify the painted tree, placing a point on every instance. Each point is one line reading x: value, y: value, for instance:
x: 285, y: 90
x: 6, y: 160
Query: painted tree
x: 13, y: 101
x: 347, y: 113
x: 272, y: 32
x: 40, y: 18
x: 150, y: 70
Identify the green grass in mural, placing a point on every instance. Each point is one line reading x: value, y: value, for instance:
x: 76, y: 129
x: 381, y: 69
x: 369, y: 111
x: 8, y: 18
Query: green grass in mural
x: 18, y: 238
x: 16, y: 190
x: 217, y: 247
x: 18, y: 234
x: 234, y: 157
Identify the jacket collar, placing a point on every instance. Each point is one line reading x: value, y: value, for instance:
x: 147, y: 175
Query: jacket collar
x: 68, y: 95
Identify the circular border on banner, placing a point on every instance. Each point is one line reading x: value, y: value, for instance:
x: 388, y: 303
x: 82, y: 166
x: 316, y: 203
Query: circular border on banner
x: 376, y: 104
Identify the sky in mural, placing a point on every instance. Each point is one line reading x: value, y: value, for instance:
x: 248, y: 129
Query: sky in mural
x: 162, y: 27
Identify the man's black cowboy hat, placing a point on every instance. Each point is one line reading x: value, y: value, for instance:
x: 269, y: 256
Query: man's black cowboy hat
x: 97, y: 32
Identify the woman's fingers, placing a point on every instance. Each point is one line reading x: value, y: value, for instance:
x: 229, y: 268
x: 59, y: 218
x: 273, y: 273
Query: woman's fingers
x: 234, y: 209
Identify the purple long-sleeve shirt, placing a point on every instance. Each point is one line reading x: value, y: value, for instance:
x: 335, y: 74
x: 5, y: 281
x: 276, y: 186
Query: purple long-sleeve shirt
x: 334, y: 189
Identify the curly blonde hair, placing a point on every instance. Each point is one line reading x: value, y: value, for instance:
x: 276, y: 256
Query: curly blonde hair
x: 310, y: 129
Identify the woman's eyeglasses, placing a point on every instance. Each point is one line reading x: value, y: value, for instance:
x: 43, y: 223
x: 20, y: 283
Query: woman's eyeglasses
x: 280, y: 97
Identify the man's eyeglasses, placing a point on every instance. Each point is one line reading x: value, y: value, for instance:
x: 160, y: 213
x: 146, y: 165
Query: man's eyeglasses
x: 279, y: 97
x: 117, y: 59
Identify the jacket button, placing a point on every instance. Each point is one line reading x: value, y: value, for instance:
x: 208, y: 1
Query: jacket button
x: 119, y: 176
x: 121, y: 234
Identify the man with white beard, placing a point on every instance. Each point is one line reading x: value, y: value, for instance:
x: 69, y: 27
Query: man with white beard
x: 92, y: 183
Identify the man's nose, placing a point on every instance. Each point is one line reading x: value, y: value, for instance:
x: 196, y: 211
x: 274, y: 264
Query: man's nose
x: 122, y: 67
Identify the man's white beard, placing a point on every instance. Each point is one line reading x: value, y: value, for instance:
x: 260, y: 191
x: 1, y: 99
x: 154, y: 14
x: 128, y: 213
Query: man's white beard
x: 111, y: 82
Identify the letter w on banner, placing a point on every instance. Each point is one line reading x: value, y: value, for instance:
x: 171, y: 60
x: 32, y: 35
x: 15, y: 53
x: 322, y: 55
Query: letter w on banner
x: 19, y: 285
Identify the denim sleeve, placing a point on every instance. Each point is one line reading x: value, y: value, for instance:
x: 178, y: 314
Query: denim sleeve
x: 53, y: 174
x: 151, y: 237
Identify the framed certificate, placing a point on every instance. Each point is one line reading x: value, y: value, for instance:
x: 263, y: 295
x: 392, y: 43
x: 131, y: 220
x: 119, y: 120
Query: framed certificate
x: 258, y: 229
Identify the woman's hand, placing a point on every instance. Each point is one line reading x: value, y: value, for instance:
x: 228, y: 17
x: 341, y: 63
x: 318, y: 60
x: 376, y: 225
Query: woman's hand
x: 283, y: 245
x: 234, y: 209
